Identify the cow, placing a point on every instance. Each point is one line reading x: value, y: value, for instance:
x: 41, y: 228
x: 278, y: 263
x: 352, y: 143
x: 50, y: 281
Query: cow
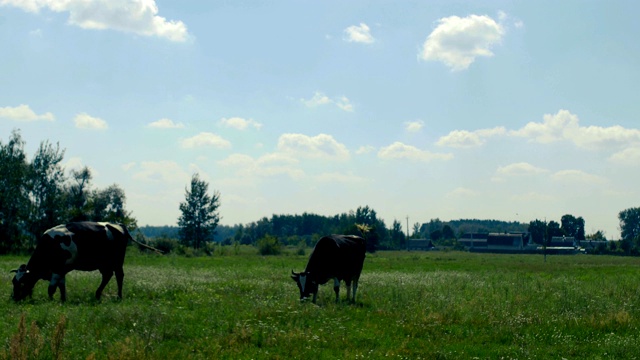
x: 85, y: 246
x: 337, y: 257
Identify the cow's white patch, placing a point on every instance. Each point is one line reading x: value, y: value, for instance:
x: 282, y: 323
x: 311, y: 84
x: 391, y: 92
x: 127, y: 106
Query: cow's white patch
x: 20, y: 273
x: 72, y: 249
x: 106, y: 228
x: 303, y: 282
x: 60, y: 230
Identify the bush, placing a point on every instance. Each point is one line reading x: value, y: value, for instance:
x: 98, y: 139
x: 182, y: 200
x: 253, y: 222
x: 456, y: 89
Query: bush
x: 269, y: 245
x: 165, y: 244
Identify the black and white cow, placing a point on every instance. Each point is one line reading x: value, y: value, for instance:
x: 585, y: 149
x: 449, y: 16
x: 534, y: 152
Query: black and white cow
x: 85, y: 246
x: 337, y: 257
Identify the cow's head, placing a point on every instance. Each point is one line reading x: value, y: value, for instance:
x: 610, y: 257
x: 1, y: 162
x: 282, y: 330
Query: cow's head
x: 23, y: 283
x: 306, y: 284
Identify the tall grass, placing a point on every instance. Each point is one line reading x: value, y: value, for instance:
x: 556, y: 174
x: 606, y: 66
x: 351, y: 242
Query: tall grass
x: 438, y: 305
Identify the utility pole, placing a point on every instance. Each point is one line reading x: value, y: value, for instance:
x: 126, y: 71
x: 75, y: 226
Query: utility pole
x: 407, y: 232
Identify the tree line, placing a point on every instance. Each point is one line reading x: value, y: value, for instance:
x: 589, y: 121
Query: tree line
x: 36, y: 194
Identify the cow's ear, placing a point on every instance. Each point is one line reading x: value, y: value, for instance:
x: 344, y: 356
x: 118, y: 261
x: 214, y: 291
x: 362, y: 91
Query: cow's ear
x: 13, y: 271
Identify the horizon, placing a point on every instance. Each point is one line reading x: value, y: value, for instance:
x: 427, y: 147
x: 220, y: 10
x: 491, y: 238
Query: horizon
x: 469, y: 110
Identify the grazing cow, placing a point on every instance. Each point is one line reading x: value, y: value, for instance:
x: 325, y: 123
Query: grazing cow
x: 85, y: 246
x: 337, y: 256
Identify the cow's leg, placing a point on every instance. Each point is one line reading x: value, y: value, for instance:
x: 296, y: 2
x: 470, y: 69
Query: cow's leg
x: 348, y: 283
x: 336, y: 288
x: 53, y: 284
x: 315, y: 296
x: 119, y: 279
x: 106, y: 276
x: 62, y: 284
x: 355, y: 288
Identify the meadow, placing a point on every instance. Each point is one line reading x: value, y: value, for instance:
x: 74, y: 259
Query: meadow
x: 411, y: 305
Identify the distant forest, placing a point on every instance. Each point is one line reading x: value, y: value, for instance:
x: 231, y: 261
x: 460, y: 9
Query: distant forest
x: 308, y: 227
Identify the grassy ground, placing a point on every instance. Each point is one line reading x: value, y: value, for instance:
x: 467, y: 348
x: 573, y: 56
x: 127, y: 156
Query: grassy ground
x: 436, y: 305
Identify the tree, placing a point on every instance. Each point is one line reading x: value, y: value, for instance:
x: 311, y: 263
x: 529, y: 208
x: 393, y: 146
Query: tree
x: 78, y: 193
x: 538, y: 231
x: 597, y: 236
x: 447, y: 233
x: 397, y: 235
x: 572, y: 226
x: 109, y: 205
x: 14, y: 201
x: 46, y: 188
x: 553, y: 229
x: 199, y: 217
x: 629, y: 223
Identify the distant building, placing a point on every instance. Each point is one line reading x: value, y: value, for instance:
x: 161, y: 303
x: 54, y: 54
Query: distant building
x: 563, y: 241
x: 419, y: 244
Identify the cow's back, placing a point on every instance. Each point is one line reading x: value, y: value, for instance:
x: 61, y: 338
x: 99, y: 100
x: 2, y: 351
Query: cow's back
x: 339, y: 256
x: 86, y: 245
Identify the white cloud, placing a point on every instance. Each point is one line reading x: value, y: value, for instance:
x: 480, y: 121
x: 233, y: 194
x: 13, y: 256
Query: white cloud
x: 565, y: 126
x: 162, y: 171
x: 469, y: 139
x: 135, y: 16
x: 206, y: 139
x: 239, y: 123
x: 399, y: 150
x: 414, y: 126
x: 359, y: 34
x: 265, y: 166
x: 577, y: 176
x: 365, y: 150
x: 320, y: 99
x: 86, y: 121
x: 344, y: 104
x: 629, y: 156
x: 128, y: 166
x: 520, y: 169
x: 23, y: 113
x: 457, y: 41
x: 165, y: 124
x: 322, y: 146
x: 338, y: 177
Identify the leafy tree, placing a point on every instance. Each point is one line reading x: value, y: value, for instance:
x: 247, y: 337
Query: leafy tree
x: 397, y: 236
x: 368, y: 216
x: 447, y: 233
x: 538, y: 231
x: 553, y: 229
x: 597, y: 236
x: 572, y: 226
x: 109, y: 205
x: 630, y: 223
x: 14, y: 202
x: 416, y: 231
x: 199, y: 217
x: 46, y: 188
x: 435, y: 235
x: 78, y: 193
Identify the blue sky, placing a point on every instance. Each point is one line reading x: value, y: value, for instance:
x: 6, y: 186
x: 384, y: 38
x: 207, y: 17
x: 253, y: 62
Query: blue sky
x: 508, y: 110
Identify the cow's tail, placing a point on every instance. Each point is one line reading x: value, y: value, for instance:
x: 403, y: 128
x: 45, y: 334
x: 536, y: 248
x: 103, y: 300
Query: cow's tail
x: 143, y: 244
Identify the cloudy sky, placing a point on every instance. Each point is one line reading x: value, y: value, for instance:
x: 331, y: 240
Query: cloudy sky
x: 508, y: 110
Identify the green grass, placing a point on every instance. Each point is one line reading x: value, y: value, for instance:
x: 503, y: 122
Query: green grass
x: 436, y: 305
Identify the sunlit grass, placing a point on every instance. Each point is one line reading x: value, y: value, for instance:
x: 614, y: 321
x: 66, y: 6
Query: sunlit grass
x: 445, y: 305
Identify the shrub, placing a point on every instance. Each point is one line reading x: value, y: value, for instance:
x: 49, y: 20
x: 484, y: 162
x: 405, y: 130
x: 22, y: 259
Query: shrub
x: 165, y: 244
x: 269, y: 245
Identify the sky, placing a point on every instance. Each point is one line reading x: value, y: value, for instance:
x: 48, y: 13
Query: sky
x: 506, y: 110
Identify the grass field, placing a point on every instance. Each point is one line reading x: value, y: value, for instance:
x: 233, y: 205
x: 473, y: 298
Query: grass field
x: 435, y: 305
